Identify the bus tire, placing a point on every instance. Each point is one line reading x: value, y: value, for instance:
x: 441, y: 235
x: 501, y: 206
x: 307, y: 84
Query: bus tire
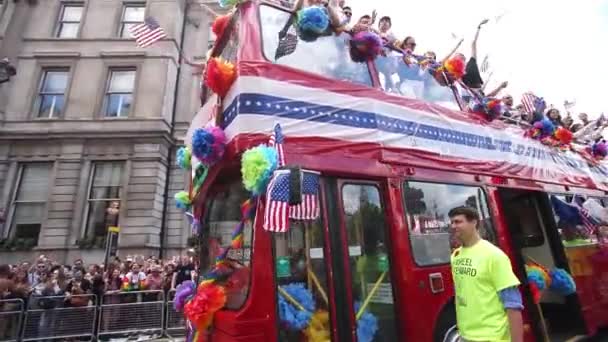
x: 445, y: 329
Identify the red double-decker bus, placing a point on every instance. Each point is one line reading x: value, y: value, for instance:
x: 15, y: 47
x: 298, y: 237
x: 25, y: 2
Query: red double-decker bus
x: 395, y: 153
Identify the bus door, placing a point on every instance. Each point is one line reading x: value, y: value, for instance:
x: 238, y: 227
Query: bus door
x: 360, y: 248
x: 426, y: 206
x: 535, y: 238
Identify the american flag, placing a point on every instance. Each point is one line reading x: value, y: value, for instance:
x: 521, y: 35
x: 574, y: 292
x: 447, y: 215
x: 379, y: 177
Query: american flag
x: 309, y: 208
x: 589, y: 223
x: 276, y: 140
x: 528, y: 100
x: 147, y: 33
x: 485, y: 64
x: 277, y: 203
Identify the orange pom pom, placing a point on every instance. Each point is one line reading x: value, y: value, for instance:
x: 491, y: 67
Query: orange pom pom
x: 220, y: 76
x: 563, y: 135
x: 455, y: 66
x: 208, y: 300
x: 220, y: 24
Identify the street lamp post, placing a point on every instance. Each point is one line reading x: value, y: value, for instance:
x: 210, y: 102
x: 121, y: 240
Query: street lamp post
x: 7, y: 70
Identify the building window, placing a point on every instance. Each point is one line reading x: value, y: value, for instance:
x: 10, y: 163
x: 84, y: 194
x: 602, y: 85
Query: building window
x: 132, y: 14
x: 119, y: 93
x: 29, y: 203
x: 69, y: 20
x: 51, y: 93
x: 103, y: 202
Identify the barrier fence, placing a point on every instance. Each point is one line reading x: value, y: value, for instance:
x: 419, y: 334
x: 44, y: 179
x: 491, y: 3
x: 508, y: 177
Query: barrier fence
x: 84, y: 317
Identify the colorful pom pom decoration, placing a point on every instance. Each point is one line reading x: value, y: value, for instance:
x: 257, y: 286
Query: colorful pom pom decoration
x: 208, y: 144
x: 219, y: 25
x: 365, y: 45
x: 562, y: 282
x: 318, y: 328
x: 257, y: 166
x: 599, y: 150
x: 367, y: 325
x: 292, y: 316
x: 182, y: 200
x: 563, y: 135
x: 220, y: 76
x: 183, y: 293
x: 455, y: 66
x: 535, y: 276
x: 536, y: 293
x: 312, y: 22
x: 228, y: 3
x: 208, y: 300
x: 183, y: 158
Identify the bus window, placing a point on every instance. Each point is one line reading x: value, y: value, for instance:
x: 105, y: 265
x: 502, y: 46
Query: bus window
x: 368, y: 255
x: 327, y: 56
x: 300, y: 259
x: 412, y: 81
x: 427, y: 206
x: 223, y: 214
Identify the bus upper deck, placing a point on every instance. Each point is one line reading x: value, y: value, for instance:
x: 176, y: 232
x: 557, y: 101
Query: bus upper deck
x: 394, y: 153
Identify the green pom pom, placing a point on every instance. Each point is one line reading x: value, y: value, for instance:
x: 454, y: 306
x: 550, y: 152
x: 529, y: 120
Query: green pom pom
x: 182, y: 200
x: 184, y: 157
x: 257, y: 166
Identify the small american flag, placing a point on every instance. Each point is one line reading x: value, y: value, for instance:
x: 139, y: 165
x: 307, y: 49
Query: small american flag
x: 485, y: 64
x: 589, y: 223
x: 277, y: 203
x: 276, y: 140
x: 528, y: 100
x: 147, y: 33
x: 309, y: 208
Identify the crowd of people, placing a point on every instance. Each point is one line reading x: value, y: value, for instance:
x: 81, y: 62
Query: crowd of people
x: 69, y: 282
x: 471, y: 84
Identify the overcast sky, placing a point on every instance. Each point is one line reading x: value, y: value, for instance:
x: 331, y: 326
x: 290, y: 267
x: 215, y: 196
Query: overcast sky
x: 557, y: 49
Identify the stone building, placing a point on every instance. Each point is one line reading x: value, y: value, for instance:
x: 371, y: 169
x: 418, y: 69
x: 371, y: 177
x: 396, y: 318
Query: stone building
x: 91, y: 121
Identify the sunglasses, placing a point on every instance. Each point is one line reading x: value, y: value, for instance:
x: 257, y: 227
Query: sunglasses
x: 348, y: 14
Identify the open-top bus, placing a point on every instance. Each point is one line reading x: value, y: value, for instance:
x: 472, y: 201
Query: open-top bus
x: 395, y: 154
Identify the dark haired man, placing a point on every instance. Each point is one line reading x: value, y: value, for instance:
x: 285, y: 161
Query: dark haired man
x: 488, y: 302
x: 384, y: 27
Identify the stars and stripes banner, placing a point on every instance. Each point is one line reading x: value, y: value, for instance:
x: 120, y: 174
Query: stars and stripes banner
x: 147, y: 33
x: 309, y: 208
x: 573, y: 214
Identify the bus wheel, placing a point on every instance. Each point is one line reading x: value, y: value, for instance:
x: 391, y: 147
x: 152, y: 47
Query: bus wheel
x: 446, y: 330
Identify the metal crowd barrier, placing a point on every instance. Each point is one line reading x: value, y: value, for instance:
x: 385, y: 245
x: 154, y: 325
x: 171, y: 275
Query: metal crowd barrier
x: 175, y: 321
x: 11, y: 317
x: 79, y: 316
x: 133, y: 312
x: 59, y: 317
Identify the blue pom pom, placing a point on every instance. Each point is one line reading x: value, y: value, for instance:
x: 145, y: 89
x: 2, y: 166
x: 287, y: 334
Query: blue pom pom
x: 202, y: 143
x: 367, y: 325
x: 313, y: 19
x: 292, y: 317
x: 547, y: 127
x: 562, y: 282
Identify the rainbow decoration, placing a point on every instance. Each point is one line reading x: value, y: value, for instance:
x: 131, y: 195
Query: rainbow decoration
x: 455, y: 67
x: 318, y: 328
x: 367, y: 325
x: 209, y: 298
x: 296, y: 304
